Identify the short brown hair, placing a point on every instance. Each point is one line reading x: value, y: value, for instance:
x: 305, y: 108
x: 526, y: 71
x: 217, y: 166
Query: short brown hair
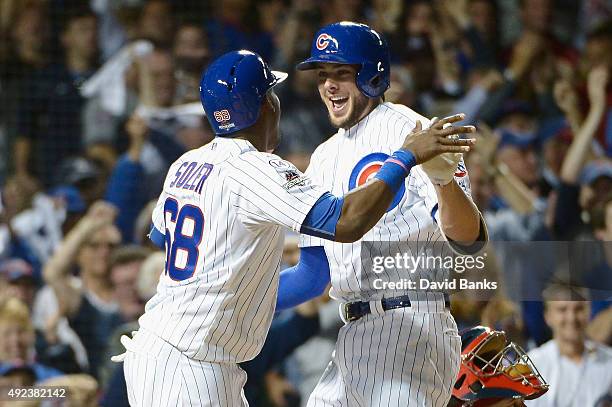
x: 565, y: 291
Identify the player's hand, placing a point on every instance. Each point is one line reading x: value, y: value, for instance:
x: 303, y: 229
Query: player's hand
x: 438, y: 139
x: 126, y: 341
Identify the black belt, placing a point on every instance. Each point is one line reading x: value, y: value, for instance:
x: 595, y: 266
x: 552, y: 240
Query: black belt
x: 352, y: 311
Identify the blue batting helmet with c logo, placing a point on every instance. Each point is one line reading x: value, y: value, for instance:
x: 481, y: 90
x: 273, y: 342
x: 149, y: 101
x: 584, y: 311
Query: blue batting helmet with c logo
x: 353, y: 43
x: 233, y: 88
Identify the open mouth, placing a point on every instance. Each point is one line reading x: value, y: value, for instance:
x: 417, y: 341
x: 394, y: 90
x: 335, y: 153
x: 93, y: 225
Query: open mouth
x: 338, y: 103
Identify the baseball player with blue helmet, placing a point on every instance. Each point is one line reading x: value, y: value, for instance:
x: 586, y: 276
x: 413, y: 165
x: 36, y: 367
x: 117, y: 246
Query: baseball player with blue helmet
x: 399, y: 346
x: 220, y: 218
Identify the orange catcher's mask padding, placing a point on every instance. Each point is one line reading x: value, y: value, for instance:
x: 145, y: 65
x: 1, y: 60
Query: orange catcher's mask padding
x: 492, y: 368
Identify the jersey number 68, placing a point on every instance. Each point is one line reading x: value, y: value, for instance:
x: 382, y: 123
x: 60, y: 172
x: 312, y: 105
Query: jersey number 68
x: 182, y: 251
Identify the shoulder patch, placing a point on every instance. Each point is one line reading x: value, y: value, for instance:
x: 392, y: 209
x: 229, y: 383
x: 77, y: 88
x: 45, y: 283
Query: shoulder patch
x: 279, y: 164
x: 293, y: 177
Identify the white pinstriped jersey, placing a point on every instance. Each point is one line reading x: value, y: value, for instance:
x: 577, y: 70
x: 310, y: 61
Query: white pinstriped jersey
x: 221, y: 212
x: 347, y: 160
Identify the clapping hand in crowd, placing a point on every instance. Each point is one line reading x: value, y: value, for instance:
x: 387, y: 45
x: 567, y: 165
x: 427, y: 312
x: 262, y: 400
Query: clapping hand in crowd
x: 597, y: 83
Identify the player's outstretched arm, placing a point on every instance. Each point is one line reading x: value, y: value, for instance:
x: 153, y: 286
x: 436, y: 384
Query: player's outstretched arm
x: 304, y: 281
x: 364, y: 206
x: 256, y: 178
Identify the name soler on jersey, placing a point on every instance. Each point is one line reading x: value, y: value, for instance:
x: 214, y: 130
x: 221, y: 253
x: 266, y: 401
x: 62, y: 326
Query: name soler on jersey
x: 426, y: 284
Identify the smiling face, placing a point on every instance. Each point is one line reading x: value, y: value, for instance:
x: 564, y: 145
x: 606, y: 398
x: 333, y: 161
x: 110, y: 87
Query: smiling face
x: 567, y: 319
x: 345, y: 103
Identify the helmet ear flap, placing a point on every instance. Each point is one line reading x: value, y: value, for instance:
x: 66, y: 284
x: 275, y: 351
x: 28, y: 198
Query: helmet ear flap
x: 372, y: 84
x: 375, y: 81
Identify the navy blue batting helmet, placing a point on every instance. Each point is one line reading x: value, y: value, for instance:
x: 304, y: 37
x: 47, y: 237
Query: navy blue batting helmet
x: 233, y: 88
x: 353, y: 43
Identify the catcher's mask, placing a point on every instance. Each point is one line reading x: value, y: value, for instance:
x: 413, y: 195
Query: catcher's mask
x: 492, y: 368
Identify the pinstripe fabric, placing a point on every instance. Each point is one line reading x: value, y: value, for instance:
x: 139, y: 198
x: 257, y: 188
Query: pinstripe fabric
x: 223, y: 312
x: 404, y: 357
x: 194, y: 331
x: 399, y: 359
x: 158, y: 375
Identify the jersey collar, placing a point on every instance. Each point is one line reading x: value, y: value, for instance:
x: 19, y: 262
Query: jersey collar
x: 234, y: 144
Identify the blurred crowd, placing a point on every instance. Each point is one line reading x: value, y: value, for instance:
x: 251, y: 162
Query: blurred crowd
x: 99, y: 97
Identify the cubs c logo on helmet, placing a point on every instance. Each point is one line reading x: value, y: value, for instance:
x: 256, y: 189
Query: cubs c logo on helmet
x: 366, y: 169
x: 324, y: 40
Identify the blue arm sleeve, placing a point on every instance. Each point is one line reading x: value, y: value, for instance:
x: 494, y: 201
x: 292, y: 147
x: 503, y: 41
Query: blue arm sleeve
x: 304, y: 281
x: 125, y: 191
x: 323, y: 217
x: 157, y: 237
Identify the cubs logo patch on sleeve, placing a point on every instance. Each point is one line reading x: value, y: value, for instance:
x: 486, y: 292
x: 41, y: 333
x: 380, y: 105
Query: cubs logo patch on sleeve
x: 461, y: 171
x: 366, y: 169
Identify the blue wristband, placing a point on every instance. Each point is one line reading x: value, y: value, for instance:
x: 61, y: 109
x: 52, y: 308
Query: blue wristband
x: 396, y: 168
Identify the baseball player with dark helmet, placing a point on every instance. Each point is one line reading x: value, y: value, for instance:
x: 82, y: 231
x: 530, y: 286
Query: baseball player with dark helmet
x: 399, y: 346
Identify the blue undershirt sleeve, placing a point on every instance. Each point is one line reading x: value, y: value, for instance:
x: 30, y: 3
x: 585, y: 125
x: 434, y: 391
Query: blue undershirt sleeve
x: 304, y: 281
x: 323, y: 217
x: 157, y: 237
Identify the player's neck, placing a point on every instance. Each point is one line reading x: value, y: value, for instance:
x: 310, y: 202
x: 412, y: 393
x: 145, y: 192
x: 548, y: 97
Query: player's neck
x: 257, y: 136
x: 257, y: 143
x: 368, y: 108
